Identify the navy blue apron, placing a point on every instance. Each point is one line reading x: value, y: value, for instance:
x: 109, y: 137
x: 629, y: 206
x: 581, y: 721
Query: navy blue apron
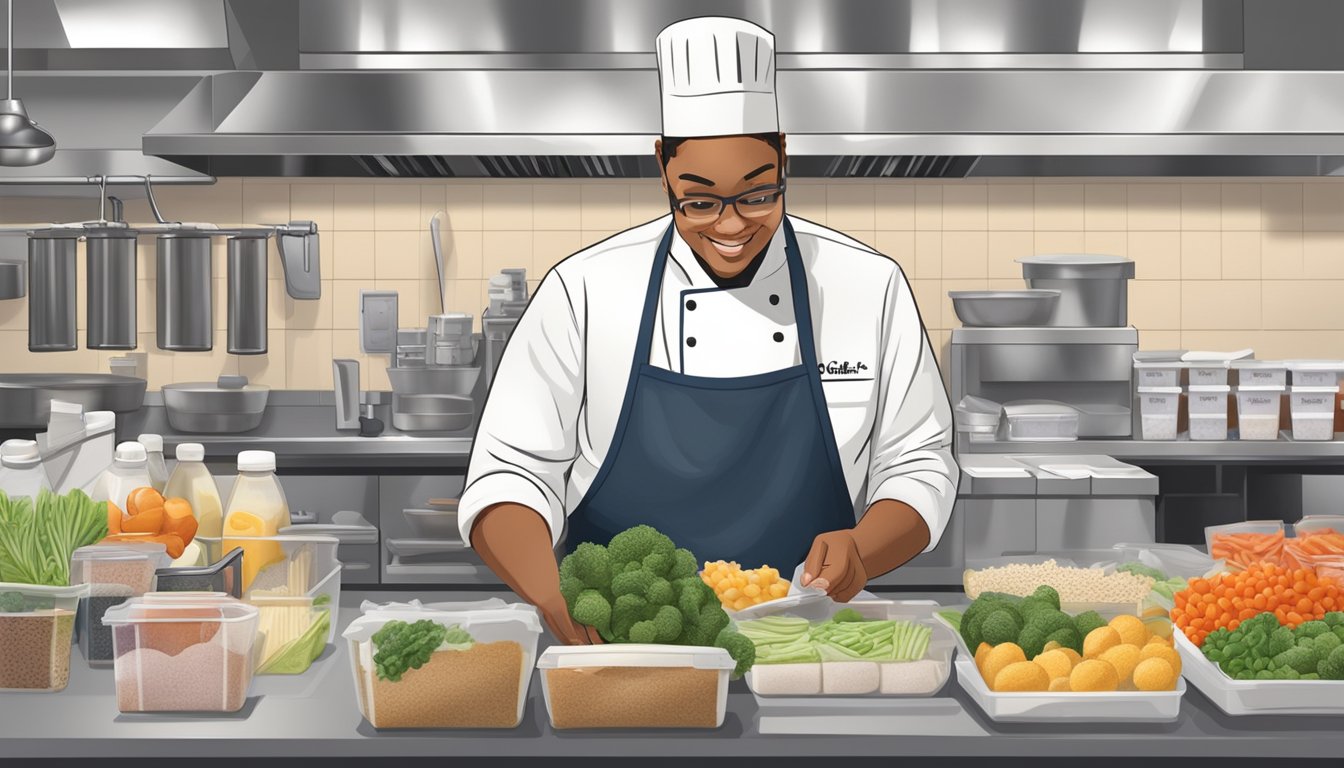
x: 743, y: 468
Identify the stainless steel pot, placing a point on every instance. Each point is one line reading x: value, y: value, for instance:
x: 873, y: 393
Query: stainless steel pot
x: 1093, y: 289
x: 25, y: 398
x: 434, y: 380
x: 432, y: 413
x: 1004, y: 309
x: 229, y: 405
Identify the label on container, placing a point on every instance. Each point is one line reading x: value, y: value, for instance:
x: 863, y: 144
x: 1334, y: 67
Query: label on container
x: 1213, y: 401
x: 1269, y: 378
x: 1319, y: 401
x: 1264, y: 400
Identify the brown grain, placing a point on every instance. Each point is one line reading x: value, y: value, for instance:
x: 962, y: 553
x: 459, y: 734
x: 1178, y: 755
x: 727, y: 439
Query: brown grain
x: 35, y: 650
x: 633, y: 697
x: 202, y: 678
x: 475, y: 688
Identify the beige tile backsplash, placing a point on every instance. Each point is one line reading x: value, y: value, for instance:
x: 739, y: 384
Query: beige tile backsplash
x: 1221, y: 264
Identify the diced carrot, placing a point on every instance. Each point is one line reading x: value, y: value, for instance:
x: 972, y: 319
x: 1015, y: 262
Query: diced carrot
x: 178, y: 519
x: 113, y: 519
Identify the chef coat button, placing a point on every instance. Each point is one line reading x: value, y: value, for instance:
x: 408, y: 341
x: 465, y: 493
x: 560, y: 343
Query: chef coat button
x: 690, y: 342
x: 691, y: 305
x: 779, y: 336
x: 774, y: 299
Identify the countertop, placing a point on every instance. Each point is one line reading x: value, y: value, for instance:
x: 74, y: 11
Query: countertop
x: 1282, y: 451
x: 315, y: 716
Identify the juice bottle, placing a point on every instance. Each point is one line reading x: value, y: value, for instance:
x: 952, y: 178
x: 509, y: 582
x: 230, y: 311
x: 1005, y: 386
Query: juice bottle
x: 192, y: 481
x: 256, y: 508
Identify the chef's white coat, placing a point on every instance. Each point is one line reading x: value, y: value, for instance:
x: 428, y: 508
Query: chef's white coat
x: 557, y: 394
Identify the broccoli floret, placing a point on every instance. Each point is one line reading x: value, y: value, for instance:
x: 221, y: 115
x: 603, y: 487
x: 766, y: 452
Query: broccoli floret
x: 1030, y: 606
x: 591, y: 565
x: 1047, y: 593
x: 634, y: 582
x: 1001, y: 626
x: 592, y: 608
x: 11, y: 602
x: 1339, y: 631
x: 1303, y: 660
x: 683, y: 565
x: 847, y: 615
x: 1067, y: 637
x: 657, y: 563
x: 1087, y: 621
x: 713, y: 620
x: 1332, y: 667
x: 691, y: 597
x: 1312, y: 629
x: 1285, y: 673
x: 667, y: 622
x: 742, y: 649
x: 1051, y: 621
x: 1032, y: 640
x: 628, y: 610
x: 1325, y: 644
x: 1139, y: 569
x: 1334, y: 618
x: 660, y: 592
x: 644, y: 632
x: 635, y: 544
x: 970, y: 628
x: 571, y: 587
x: 1279, y: 640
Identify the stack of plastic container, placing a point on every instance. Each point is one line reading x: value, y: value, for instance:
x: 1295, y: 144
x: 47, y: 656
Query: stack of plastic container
x: 1260, y: 388
x: 1313, y: 397
x: 1157, y: 375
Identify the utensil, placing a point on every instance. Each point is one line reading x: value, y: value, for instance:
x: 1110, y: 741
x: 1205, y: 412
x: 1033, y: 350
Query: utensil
x: 25, y: 398
x: 51, y: 291
x: 1094, y: 289
x: 437, y: 242
x: 1004, y: 308
x: 230, y: 404
x: 432, y: 412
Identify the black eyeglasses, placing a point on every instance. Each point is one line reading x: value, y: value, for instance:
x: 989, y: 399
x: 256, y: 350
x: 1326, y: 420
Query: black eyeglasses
x: 703, y: 207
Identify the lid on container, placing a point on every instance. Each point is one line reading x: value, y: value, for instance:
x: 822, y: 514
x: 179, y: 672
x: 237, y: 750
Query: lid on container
x: 191, y: 452
x: 152, y: 443
x: 123, y: 551
x: 1260, y: 365
x: 256, y: 461
x: 1039, y: 408
x: 131, y: 453
x: 465, y: 615
x: 19, y: 453
x: 1163, y: 364
x: 1314, y: 390
x: 1209, y: 389
x: 177, y: 607
x: 1262, y: 388
x: 1159, y: 390
x: 41, y: 590
x: 1225, y: 358
x: 977, y: 411
x: 1324, y: 366
x: 1158, y: 355
x: 1076, y: 266
x: 635, y: 655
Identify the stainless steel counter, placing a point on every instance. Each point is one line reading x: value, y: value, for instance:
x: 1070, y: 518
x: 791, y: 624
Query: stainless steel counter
x: 1284, y: 450
x: 314, y: 716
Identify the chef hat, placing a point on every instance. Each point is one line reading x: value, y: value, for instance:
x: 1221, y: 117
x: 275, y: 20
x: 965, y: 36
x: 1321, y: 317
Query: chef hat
x: 718, y: 78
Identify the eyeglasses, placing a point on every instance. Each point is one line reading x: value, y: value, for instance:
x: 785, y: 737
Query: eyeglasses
x: 702, y: 208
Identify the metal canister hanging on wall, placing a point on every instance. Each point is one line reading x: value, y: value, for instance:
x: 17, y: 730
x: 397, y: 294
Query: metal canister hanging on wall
x: 51, y: 291
x: 184, y: 292
x: 111, y: 255
x: 247, y: 293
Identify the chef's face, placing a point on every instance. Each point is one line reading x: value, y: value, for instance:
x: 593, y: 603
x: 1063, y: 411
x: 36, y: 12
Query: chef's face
x: 727, y: 237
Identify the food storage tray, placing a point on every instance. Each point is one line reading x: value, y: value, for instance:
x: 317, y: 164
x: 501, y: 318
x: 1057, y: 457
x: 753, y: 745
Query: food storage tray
x: 114, y: 572
x: 36, y: 624
x: 1258, y: 697
x: 1100, y: 707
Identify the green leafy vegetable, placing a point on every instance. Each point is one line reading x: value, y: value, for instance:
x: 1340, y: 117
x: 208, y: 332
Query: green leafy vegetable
x: 37, y: 538
x: 402, y: 646
x: 321, y: 600
x: 787, y: 640
x: 298, y: 654
x: 1261, y: 649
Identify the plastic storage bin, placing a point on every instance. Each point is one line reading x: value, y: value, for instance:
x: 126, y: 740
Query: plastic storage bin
x: 1261, y: 373
x: 225, y: 575
x: 1208, y: 411
x: 114, y: 573
x: 1105, y: 707
x: 1158, y: 369
x: 1316, y: 373
x: 1210, y: 368
x: 797, y: 685
x: 182, y: 652
x: 1313, y: 412
x: 1159, y: 411
x: 1226, y: 542
x: 1042, y: 422
x: 36, y: 624
x: 1258, y: 697
x: 635, y: 686
x: 1258, y: 411
x: 289, y: 565
x: 480, y: 684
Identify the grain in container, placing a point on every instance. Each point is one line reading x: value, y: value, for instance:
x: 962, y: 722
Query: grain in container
x: 1313, y: 412
x: 1258, y: 411
x: 36, y: 624
x: 114, y: 573
x: 1208, y: 411
x: 1159, y: 410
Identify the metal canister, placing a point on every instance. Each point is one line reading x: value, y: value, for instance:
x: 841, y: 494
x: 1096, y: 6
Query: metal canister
x: 247, y: 294
x: 111, y: 299
x: 184, y: 292
x: 51, y: 291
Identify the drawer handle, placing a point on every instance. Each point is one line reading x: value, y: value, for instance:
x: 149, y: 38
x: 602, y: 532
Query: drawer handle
x: 442, y: 502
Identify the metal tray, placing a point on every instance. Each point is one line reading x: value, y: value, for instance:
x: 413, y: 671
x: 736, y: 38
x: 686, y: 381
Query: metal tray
x: 25, y: 398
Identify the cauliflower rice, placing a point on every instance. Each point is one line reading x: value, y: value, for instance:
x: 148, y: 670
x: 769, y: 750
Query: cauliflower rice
x: 1075, y: 585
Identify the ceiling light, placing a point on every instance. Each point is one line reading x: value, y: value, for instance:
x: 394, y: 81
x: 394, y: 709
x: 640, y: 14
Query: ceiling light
x: 22, y: 141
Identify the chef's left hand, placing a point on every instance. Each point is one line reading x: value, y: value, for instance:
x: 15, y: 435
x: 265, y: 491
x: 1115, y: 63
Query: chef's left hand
x: 834, y: 566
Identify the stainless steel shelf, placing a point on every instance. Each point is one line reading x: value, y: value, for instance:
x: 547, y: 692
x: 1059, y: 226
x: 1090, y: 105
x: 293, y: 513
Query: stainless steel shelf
x: 1283, y: 451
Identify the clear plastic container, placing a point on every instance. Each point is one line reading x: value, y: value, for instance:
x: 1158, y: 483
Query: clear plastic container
x: 480, y: 685
x: 36, y: 626
x: 182, y: 652
x: 1070, y: 707
x: 279, y: 566
x: 1242, y: 544
x: 1258, y: 697
x: 635, y: 686
x: 1208, y: 411
x: 861, y: 682
x: 292, y: 632
x: 192, y: 481
x: 158, y: 468
x: 1210, y: 368
x: 224, y: 575
x: 1042, y: 422
x: 1316, y: 373
x: 1159, y: 410
x: 1313, y: 412
x: 1261, y: 373
x: 1322, y: 555
x: 1317, y: 523
x: 1258, y: 411
x: 21, y: 472
x: 129, y: 471
x: 257, y: 505
x: 114, y: 572
x: 1158, y: 374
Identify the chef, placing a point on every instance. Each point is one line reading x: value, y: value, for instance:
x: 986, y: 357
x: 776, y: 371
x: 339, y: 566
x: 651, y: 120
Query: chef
x: 758, y: 387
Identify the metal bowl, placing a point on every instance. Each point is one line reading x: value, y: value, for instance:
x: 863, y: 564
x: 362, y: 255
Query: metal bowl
x: 207, y: 407
x: 432, y: 413
x: 25, y: 398
x: 1004, y: 309
x: 434, y: 380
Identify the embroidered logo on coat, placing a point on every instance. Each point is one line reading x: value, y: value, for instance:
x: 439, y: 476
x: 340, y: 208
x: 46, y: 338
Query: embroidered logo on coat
x: 843, y: 368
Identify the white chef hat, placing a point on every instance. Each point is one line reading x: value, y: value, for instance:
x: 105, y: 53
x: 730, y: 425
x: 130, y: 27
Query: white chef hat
x: 717, y: 76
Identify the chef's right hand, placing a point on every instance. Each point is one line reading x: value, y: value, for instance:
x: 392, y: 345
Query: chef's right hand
x: 563, y: 626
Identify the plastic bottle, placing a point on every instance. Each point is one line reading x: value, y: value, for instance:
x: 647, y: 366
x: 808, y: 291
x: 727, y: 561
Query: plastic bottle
x: 158, y: 468
x: 21, y: 472
x: 192, y: 481
x: 129, y: 470
x: 257, y: 505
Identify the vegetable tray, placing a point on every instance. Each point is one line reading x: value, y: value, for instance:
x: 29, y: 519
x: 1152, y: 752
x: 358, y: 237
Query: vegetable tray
x: 1258, y: 697
x: 1101, y: 707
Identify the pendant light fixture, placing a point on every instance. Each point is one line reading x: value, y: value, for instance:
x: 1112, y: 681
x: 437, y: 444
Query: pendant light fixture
x: 22, y: 141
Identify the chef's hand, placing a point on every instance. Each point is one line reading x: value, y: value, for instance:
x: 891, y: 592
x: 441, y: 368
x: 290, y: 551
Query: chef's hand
x: 835, y: 566
x: 563, y: 626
